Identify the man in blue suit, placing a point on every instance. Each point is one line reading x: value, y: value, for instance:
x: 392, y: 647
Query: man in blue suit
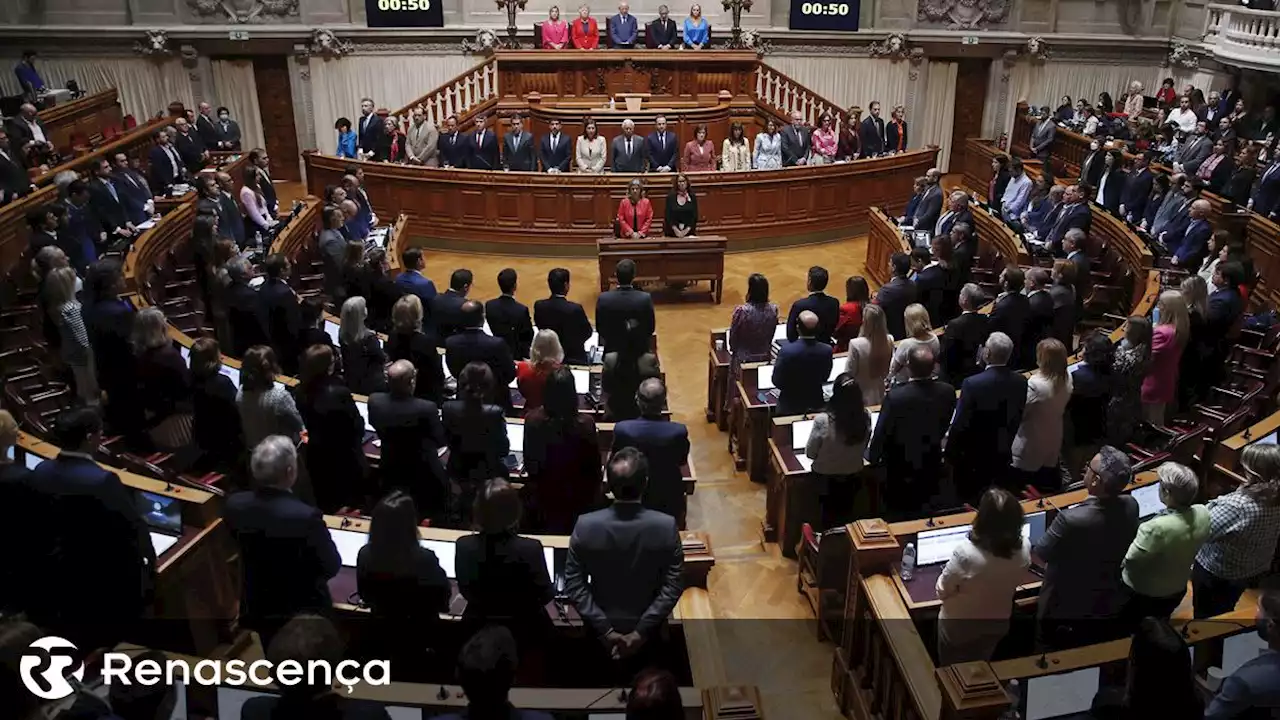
x: 471, y: 344
x: 802, y: 368
x: 623, y: 27
x: 1189, y: 247
x: 1137, y: 191
x: 555, y: 150
x: 894, y: 296
x: 980, y: 445
x: 413, y: 282
x: 1075, y: 213
x: 368, y: 128
x: 84, y: 230
x: 1266, y: 199
x: 134, y: 190
x: 164, y: 164
x: 822, y: 305
x: 286, y: 551
x: 662, y: 151
x: 1177, y: 214
x: 102, y: 571
x: 665, y: 444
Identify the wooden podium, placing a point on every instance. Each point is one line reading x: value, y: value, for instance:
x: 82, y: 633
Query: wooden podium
x: 666, y: 259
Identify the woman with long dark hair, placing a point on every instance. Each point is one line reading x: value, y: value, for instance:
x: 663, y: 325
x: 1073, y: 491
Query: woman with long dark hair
x: 998, y: 182
x: 215, y: 421
x: 476, y: 433
x: 335, y: 433
x: 561, y: 456
x: 735, y: 154
x: 856, y: 297
x: 164, y: 383
x: 680, y: 217
x: 836, y: 446
x: 1128, y: 369
x: 257, y: 212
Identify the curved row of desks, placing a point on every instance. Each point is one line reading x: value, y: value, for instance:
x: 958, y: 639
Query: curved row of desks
x: 85, y: 117
x: 525, y: 213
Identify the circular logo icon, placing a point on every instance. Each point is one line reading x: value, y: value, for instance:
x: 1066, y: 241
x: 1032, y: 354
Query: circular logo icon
x: 45, y: 667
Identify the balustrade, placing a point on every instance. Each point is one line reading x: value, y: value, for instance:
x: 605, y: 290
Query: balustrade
x: 785, y: 96
x: 1243, y: 35
x: 459, y: 95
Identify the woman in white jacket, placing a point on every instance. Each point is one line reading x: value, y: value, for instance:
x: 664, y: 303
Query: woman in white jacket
x: 590, y: 150
x: 1038, y: 444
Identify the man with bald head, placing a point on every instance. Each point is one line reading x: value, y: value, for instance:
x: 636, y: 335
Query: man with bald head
x: 665, y: 444
x: 26, y: 131
x: 623, y: 27
x: 1189, y: 247
x: 230, y: 220
x: 802, y: 368
x: 929, y: 209
x: 472, y: 344
x: 189, y: 146
x: 207, y: 128
x: 796, y: 142
x: 355, y: 230
x: 411, y: 434
x: 907, y: 439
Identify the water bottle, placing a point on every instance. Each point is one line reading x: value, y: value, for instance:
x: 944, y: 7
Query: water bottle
x: 908, y: 569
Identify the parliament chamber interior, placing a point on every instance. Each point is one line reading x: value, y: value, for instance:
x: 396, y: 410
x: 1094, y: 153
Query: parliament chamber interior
x: 292, y: 426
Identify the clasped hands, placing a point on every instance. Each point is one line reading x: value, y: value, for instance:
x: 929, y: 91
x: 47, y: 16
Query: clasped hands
x: 622, y: 646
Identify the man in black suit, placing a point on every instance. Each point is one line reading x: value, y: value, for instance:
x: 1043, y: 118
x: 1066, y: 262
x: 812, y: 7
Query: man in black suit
x: 894, y: 297
x: 99, y: 542
x: 565, y: 317
x: 189, y: 146
x: 286, y: 551
x: 662, y: 151
x: 369, y: 128
x: 230, y: 220
x: 1083, y: 553
x: 27, y: 131
x: 1073, y: 244
x: 134, y: 190
x: 555, y: 150
x: 164, y: 164
x: 821, y: 304
x: 83, y: 228
x: 279, y: 313
x: 1137, y: 190
x: 627, y: 151
x: 446, y: 308
x: 802, y: 368
x: 625, y: 563
x: 1073, y: 213
x: 1039, y: 314
x: 980, y: 445
x: 509, y: 318
x: 207, y: 127
x: 933, y: 279
x: 957, y: 213
x: 14, y: 180
x: 871, y: 135
x: 929, y: 208
x: 244, y: 316
x: 470, y: 344
x: 107, y: 202
x: 1225, y: 307
x: 665, y: 445
x: 964, y: 247
x: 518, y: 148
x: 483, y: 146
x: 1011, y: 311
x: 964, y: 336
x: 795, y: 142
x: 455, y: 147
x: 662, y: 32
x: 411, y: 434
x: 615, y: 307
x: 908, y: 437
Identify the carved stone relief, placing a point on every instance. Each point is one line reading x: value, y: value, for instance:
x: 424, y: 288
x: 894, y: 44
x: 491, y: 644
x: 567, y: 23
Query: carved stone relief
x: 963, y: 14
x: 243, y: 11
x: 156, y: 43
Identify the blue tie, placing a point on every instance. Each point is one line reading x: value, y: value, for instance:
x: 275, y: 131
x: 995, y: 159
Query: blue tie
x: 112, y: 188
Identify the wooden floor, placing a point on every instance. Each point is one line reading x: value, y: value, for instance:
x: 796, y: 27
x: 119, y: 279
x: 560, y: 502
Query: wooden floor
x: 771, y: 642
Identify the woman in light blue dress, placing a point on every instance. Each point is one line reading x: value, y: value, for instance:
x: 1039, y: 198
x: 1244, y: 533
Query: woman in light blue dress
x: 697, y: 31
x: 768, y: 151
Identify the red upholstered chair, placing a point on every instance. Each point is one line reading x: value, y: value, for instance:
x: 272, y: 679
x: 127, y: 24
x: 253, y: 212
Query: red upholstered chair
x: 537, y: 35
x: 109, y: 134
x: 130, y: 122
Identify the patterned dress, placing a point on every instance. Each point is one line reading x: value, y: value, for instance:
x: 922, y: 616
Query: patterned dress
x: 768, y: 155
x: 1128, y: 369
x: 750, y: 335
x: 735, y: 157
x: 824, y: 146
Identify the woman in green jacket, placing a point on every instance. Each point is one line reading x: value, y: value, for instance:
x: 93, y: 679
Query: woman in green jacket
x: 1158, y: 564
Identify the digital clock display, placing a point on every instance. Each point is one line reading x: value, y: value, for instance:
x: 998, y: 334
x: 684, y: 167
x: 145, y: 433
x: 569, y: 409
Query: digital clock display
x: 807, y: 15
x: 404, y: 13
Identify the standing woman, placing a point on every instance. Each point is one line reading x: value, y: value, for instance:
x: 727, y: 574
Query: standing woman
x: 407, y: 342
x: 824, y: 141
x: 919, y: 332
x: 585, y: 31
x: 768, y: 152
x: 1105, y: 104
x: 215, y: 421
x: 390, y: 146
x: 204, y: 234
x: 1168, y: 339
x: 870, y: 355
x: 697, y: 31
x: 856, y: 297
x: 1199, y: 345
x: 555, y: 32
x: 751, y: 329
x: 164, y: 384
x: 266, y: 407
x: 382, y: 292
x: 1241, y: 182
x: 850, y: 144
x: 681, y: 212
x: 590, y: 149
x: 76, y: 353
x: 335, y: 433
x: 998, y: 182
x: 1128, y: 369
x: 635, y: 213
x: 836, y: 445
x: 1166, y: 95
x: 1038, y: 445
x: 475, y: 432
x: 699, y: 153
x: 977, y: 584
x: 735, y: 156
x: 562, y: 456
x: 1133, y: 103
x: 346, y: 139
x: 256, y: 213
x: 545, y: 357
x: 1158, y: 563
x: 363, y: 360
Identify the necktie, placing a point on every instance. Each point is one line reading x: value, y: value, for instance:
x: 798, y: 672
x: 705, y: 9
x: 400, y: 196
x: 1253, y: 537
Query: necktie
x: 555, y: 138
x: 628, y: 146
x: 662, y: 141
x: 173, y: 158
x: 453, y: 139
x: 112, y: 189
x: 480, y: 139
x: 517, y: 144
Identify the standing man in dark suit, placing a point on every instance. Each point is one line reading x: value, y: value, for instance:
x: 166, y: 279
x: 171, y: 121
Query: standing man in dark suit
x: 1137, y: 190
x: 1073, y: 245
x: 369, y: 128
x: 411, y: 434
x: 1083, y: 552
x: 518, y: 147
x: 1225, y: 307
x: 1043, y: 134
x: 964, y: 248
x: 164, y: 164
x: 615, y: 307
x: 821, y: 304
x: 279, y: 313
x: 412, y: 281
x: 662, y: 151
x: 135, y: 192
x: 1010, y: 313
x: 625, y: 564
x: 100, y: 541
x: 957, y: 213
x: 627, y: 150
x: 663, y: 34
x: 84, y: 229
x: 555, y: 150
x: 623, y: 28
x: 897, y: 294
x: 483, y: 146
x: 286, y: 551
x: 665, y: 445
x: 230, y: 219
x: 108, y: 204
x: 1266, y: 198
x: 455, y: 147
x: 908, y: 437
x: 509, y: 318
x: 964, y: 336
x: 470, y: 344
x: 1074, y: 213
x: 244, y: 317
x: 871, y: 134
x: 1189, y: 247
x: 1039, y: 313
x: 795, y: 142
x: 259, y: 159
x: 980, y: 445
x: 929, y: 208
x: 565, y: 317
x: 189, y: 146
x: 1093, y: 164
x: 934, y: 279
x: 446, y: 308
x: 802, y: 368
x: 14, y: 180
x: 207, y: 127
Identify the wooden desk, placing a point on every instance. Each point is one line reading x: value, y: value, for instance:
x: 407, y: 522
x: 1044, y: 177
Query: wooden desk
x: 134, y: 142
x: 718, y: 362
x: 749, y: 439
x: 883, y: 240
x: 781, y: 523
x: 666, y: 259
x: 88, y: 116
x: 599, y: 74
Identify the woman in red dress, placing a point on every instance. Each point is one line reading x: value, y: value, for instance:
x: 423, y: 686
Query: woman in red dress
x: 635, y: 213
x: 585, y: 31
x: 545, y: 355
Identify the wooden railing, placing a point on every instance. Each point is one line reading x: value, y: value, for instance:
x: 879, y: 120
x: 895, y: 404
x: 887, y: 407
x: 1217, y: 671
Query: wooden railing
x: 13, y: 223
x: 88, y: 117
x: 784, y: 96
x: 459, y: 95
x: 130, y: 143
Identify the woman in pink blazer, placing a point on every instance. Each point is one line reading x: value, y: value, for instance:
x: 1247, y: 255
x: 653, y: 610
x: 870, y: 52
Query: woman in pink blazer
x: 555, y: 32
x: 699, y: 153
x: 1168, y: 338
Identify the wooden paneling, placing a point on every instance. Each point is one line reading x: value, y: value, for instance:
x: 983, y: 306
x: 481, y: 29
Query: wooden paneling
x: 13, y: 225
x: 971, y: 95
x: 275, y: 103
x: 485, y: 210
x: 134, y: 142
x: 88, y: 116
x: 883, y: 240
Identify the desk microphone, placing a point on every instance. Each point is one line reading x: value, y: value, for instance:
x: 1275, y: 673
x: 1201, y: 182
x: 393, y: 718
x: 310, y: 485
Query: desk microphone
x: 1040, y: 503
x: 1186, y: 631
x: 346, y: 522
x: 622, y: 697
x: 1248, y: 433
x: 930, y: 523
x: 1042, y: 662
x: 443, y: 694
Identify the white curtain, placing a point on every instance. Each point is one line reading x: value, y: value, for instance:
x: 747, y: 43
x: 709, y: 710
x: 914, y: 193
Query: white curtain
x: 146, y: 86
x: 933, y: 119
x: 393, y: 81
x: 234, y: 87
x: 849, y: 81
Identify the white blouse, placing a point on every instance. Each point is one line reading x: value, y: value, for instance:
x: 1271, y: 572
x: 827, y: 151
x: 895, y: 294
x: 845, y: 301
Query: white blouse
x: 590, y: 154
x: 735, y: 158
x: 976, y: 585
x: 768, y: 155
x: 255, y: 208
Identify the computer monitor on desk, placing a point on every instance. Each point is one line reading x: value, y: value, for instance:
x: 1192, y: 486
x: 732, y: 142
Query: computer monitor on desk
x: 934, y: 547
x: 1067, y: 695
x: 1149, y: 502
x: 349, y: 542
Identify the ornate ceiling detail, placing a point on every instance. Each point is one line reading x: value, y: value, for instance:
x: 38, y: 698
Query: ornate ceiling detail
x: 1182, y: 56
x: 1037, y: 49
x: 484, y: 43
x: 964, y: 14
x: 896, y: 47
x: 155, y: 44
x: 244, y: 11
x: 324, y: 44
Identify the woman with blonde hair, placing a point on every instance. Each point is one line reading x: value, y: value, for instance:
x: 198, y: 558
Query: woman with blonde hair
x: 363, y: 361
x: 1168, y: 340
x: 406, y: 341
x: 919, y: 332
x: 870, y: 355
x: 545, y: 355
x: 163, y: 381
x: 1038, y: 444
x: 66, y: 313
x: 1133, y: 103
